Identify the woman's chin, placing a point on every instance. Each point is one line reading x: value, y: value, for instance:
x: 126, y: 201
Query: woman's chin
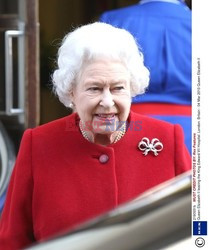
x: 104, y: 126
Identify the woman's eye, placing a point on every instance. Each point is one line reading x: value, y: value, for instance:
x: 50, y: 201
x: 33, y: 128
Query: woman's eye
x: 119, y: 88
x: 94, y: 89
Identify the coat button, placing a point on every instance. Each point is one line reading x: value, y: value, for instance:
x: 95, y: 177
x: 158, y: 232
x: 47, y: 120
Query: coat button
x: 103, y: 158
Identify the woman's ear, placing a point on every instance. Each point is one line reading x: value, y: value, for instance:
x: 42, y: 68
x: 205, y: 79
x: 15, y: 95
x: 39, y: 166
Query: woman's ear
x: 72, y: 93
x: 72, y: 98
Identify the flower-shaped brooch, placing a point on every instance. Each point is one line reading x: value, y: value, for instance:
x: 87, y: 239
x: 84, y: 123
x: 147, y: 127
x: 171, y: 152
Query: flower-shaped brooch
x: 145, y: 145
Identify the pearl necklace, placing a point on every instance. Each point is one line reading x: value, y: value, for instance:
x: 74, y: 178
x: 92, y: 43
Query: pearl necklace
x: 117, y: 138
x: 121, y: 133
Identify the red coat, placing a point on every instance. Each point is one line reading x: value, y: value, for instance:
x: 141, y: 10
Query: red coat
x: 58, y: 180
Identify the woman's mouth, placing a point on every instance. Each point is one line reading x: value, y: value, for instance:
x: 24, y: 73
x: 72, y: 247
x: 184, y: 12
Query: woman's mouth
x: 110, y: 117
x: 106, y: 115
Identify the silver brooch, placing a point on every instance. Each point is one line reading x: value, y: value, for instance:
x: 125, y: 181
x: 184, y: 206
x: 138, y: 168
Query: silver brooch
x: 155, y: 146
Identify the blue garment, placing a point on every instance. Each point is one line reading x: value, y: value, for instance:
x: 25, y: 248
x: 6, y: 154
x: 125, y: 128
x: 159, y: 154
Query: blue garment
x: 163, y: 30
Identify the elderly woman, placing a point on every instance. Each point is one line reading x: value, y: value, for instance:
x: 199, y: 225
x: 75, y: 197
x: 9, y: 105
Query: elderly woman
x: 85, y: 164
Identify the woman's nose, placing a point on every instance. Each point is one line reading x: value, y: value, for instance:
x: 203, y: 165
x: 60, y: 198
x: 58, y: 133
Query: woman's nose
x: 107, y: 99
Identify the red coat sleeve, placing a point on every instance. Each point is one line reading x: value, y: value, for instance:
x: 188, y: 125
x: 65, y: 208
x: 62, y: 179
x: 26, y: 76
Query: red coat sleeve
x: 16, y: 230
x: 182, y: 156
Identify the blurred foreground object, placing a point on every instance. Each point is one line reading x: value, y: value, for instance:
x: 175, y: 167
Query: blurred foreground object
x: 156, y: 219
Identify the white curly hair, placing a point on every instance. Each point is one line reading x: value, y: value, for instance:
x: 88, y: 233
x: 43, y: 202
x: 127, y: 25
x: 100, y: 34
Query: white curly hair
x: 97, y: 41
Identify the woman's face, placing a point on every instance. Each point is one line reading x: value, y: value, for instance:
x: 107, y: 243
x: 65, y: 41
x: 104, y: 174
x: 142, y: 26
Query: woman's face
x: 102, y: 95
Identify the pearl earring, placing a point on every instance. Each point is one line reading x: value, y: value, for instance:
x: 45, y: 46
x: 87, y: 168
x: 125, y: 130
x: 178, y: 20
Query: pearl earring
x: 71, y: 105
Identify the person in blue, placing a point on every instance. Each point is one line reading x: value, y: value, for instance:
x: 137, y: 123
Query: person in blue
x: 162, y: 28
